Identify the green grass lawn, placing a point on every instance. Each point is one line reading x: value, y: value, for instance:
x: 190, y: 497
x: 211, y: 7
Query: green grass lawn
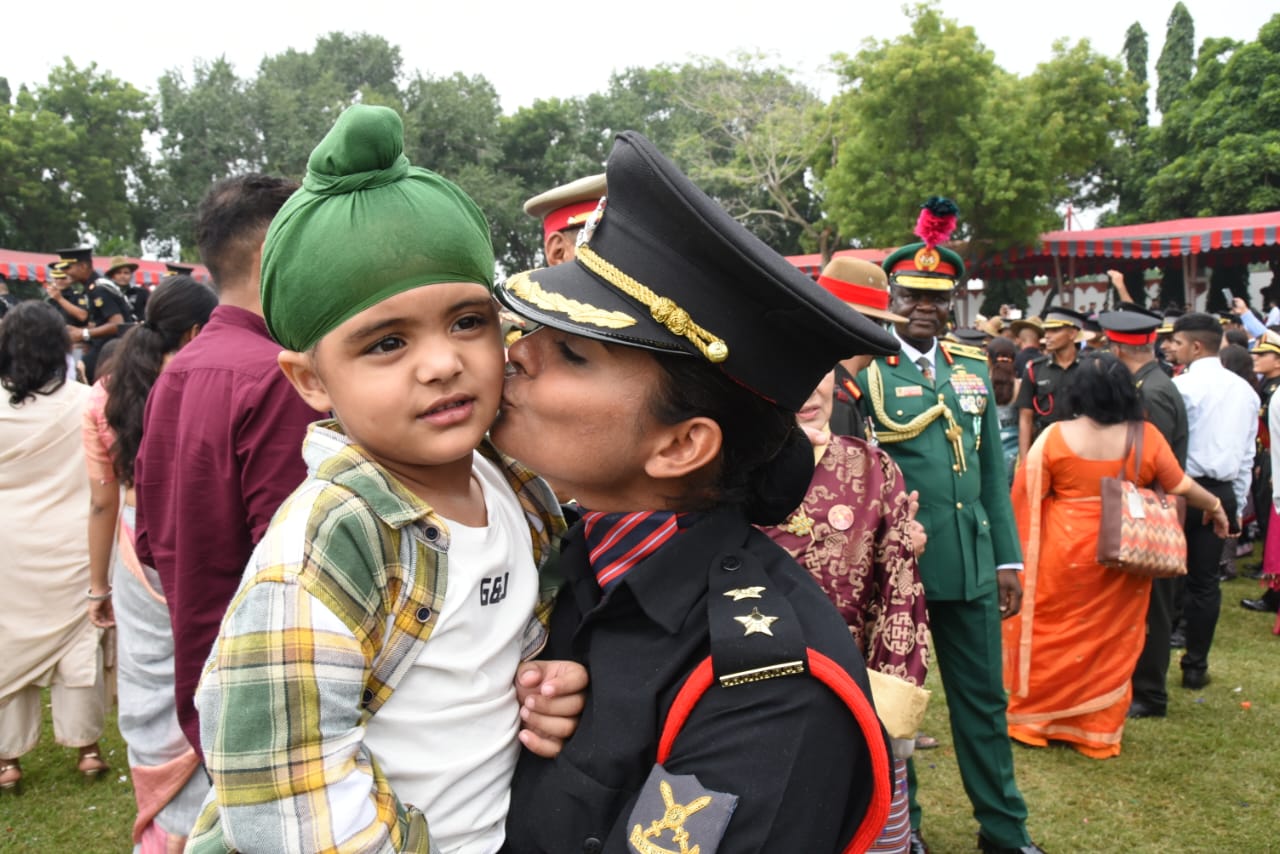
x: 1205, y: 779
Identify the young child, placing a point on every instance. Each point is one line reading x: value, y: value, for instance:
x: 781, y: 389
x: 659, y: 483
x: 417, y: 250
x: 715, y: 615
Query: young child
x: 364, y: 673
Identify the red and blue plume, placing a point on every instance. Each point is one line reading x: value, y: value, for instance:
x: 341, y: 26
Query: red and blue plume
x: 937, y: 220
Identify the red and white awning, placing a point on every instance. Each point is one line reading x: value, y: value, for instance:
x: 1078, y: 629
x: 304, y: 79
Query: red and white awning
x: 34, y: 267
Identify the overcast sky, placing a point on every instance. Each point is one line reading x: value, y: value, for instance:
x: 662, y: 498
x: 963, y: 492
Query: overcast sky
x: 532, y: 50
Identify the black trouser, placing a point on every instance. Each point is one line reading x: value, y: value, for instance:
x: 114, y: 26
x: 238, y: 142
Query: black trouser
x: 1262, y: 495
x: 1153, y: 664
x: 1203, y: 592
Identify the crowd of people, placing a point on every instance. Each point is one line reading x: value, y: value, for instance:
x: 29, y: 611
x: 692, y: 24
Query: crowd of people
x: 381, y: 555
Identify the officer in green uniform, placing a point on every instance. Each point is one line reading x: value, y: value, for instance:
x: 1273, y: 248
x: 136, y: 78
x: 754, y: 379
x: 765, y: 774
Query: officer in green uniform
x: 934, y: 414
x: 1041, y: 400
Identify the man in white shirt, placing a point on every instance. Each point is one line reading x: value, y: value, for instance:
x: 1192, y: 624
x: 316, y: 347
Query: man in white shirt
x: 1222, y: 423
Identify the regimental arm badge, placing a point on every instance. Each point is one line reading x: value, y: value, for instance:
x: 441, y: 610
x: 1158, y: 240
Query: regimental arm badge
x: 675, y: 814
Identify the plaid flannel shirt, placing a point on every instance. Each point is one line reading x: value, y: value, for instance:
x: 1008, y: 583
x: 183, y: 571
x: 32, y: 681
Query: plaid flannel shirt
x: 337, y: 601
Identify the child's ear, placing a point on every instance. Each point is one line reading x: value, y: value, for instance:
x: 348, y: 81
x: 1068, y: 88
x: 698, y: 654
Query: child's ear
x: 300, y: 369
x: 684, y: 449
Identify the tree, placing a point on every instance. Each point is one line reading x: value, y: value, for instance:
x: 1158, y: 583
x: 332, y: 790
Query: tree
x: 1177, y: 58
x: 1135, y: 60
x: 752, y: 135
x: 73, y: 152
x: 298, y: 96
x: 1220, y: 143
x: 931, y: 113
x: 208, y: 134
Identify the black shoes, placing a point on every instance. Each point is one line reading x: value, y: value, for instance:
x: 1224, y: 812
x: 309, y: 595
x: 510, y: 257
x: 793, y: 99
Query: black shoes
x: 1268, y: 602
x: 917, y: 844
x: 1195, y: 679
x: 988, y: 847
x: 1139, y: 709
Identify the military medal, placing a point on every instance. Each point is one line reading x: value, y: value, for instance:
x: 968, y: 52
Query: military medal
x: 840, y: 517
x: 970, y: 390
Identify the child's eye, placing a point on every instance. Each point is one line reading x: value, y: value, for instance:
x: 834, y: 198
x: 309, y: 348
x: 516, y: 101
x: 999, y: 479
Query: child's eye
x: 471, y: 321
x: 387, y: 345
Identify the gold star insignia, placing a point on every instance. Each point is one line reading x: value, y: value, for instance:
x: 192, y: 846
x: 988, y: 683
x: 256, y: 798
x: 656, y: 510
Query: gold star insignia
x: 741, y: 593
x: 757, y: 622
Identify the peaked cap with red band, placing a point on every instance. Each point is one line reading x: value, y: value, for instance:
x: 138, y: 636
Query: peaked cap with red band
x: 928, y: 265
x: 1134, y: 327
x: 567, y: 206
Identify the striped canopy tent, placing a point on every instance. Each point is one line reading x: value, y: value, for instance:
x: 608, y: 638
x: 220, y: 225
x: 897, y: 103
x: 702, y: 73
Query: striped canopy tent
x: 811, y: 265
x: 34, y: 267
x: 1194, y: 243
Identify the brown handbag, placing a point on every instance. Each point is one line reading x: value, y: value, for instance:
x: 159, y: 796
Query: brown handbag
x: 1140, y: 531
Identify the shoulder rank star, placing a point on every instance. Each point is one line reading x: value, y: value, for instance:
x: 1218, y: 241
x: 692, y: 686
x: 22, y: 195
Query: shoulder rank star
x: 741, y: 593
x: 757, y: 622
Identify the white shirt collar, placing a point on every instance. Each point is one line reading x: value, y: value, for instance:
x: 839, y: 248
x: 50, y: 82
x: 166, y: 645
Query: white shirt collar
x: 912, y: 354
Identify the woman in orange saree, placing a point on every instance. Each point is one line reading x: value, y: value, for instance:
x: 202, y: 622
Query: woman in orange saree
x: 1070, y: 653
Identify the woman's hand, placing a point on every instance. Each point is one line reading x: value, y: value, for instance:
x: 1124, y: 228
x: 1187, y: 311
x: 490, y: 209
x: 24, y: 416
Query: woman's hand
x: 101, y: 614
x: 914, y: 529
x: 1221, y: 524
x: 552, y: 695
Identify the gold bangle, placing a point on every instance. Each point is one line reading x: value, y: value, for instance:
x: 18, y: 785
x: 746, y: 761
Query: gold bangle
x: 1216, y: 507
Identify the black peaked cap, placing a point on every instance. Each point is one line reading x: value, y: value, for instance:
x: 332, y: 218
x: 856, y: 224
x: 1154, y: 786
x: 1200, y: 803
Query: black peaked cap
x: 662, y: 267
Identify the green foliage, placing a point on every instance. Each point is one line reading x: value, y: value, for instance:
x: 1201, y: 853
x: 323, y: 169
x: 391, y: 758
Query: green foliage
x: 1177, y: 59
x: 998, y: 292
x: 1218, y: 152
x: 1135, y: 60
x: 208, y: 134
x: 72, y: 152
x: 931, y: 113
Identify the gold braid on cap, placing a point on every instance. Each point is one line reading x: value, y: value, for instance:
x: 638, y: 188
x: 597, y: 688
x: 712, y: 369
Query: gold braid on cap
x: 663, y: 310
x: 896, y: 432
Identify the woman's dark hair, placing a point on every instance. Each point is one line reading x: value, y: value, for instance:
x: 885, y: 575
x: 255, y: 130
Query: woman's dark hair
x: 178, y: 304
x: 1102, y: 388
x: 1000, y: 355
x: 766, y: 462
x: 1237, y: 360
x: 33, y: 351
x: 1238, y: 337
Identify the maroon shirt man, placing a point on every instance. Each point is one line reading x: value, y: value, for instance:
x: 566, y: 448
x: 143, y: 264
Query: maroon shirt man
x: 222, y: 438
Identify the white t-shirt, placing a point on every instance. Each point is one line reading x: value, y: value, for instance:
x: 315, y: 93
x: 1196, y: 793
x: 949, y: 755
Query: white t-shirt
x: 447, y: 737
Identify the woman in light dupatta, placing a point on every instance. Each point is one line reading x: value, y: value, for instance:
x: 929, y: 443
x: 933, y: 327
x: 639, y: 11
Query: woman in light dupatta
x: 166, y: 785
x: 45, y: 632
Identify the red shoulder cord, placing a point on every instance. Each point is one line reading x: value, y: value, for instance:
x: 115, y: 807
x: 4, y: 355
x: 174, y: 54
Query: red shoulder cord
x: 838, y: 680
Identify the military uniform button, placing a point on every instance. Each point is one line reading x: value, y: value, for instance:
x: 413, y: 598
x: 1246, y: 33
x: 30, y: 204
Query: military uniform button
x: 955, y: 467
x: 732, y: 563
x: 899, y: 411
x: 591, y: 845
x: 959, y: 505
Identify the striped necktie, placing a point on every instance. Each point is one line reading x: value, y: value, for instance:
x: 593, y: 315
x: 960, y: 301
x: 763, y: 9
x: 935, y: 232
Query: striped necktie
x: 616, y: 542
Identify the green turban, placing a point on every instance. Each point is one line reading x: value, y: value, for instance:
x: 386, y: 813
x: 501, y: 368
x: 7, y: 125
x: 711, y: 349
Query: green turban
x: 364, y: 227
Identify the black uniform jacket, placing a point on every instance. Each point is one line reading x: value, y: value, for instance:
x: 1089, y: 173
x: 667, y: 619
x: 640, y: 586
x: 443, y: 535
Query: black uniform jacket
x: 786, y: 747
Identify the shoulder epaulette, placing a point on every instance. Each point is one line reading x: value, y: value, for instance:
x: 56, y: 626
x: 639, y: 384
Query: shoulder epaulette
x: 965, y: 350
